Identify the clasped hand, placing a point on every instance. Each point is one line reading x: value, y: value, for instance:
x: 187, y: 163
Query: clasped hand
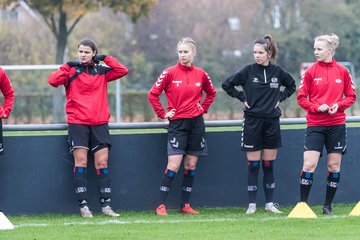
x: 331, y: 110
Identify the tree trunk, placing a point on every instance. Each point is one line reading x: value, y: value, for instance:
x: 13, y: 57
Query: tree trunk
x: 58, y: 95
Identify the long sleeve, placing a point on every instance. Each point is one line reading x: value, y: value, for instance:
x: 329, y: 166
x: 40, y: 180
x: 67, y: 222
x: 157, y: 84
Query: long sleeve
x: 154, y: 95
x: 290, y: 87
x: 303, y: 95
x: 229, y: 87
x: 60, y: 76
x: 117, y: 69
x: 8, y: 92
x: 349, y: 93
x: 210, y: 93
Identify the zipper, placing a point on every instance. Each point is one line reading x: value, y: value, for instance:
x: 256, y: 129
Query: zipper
x: 265, y: 78
x: 187, y: 77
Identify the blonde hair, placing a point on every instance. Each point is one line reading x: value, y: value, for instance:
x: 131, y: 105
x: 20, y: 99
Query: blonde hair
x: 332, y: 40
x: 188, y: 41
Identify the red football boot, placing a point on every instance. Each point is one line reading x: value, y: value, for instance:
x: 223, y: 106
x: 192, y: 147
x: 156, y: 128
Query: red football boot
x: 188, y: 210
x: 161, y: 210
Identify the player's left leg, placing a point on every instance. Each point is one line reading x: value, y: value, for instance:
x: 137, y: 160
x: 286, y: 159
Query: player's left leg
x: 269, y: 156
x: 336, y: 147
x: 196, y: 147
x: 187, y: 185
x: 271, y: 142
x: 333, y: 179
x: 104, y: 181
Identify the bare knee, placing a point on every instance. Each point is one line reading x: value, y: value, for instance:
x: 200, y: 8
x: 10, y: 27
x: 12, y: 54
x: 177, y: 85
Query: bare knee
x: 309, y: 166
x: 334, y: 167
x: 174, y: 162
x: 80, y: 157
x: 311, y: 159
x: 101, y: 158
x: 334, y: 162
x: 190, y: 162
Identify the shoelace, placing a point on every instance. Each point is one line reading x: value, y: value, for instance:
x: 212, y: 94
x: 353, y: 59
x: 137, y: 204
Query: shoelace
x: 276, y: 205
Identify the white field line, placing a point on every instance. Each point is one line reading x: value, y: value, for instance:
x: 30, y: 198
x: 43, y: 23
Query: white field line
x: 162, y: 221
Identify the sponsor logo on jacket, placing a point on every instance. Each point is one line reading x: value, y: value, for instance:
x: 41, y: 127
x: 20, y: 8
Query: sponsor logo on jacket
x: 317, y: 80
x: 177, y: 82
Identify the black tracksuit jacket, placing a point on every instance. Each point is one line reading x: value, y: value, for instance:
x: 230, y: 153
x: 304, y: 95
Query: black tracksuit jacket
x: 260, y: 89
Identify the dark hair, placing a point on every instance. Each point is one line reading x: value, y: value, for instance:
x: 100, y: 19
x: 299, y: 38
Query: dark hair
x: 89, y: 43
x: 269, y: 45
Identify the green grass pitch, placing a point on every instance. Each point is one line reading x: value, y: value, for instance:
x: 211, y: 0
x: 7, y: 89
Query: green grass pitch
x: 212, y: 223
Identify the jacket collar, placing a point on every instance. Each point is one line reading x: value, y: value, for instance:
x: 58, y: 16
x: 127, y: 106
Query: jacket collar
x: 328, y: 64
x: 262, y: 66
x: 185, y: 67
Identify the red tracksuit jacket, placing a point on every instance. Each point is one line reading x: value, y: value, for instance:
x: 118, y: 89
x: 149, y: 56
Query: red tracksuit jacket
x: 183, y: 88
x: 328, y: 83
x: 86, y: 96
x: 8, y: 93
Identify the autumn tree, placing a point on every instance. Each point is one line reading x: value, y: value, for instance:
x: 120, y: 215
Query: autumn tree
x: 62, y: 16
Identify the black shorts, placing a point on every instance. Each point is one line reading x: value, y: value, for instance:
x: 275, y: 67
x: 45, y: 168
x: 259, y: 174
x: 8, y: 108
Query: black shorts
x: 260, y: 134
x: 332, y: 137
x: 187, y: 136
x: 89, y: 137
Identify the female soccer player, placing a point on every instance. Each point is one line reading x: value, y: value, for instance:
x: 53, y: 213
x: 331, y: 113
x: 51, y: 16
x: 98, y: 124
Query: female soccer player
x: 183, y: 85
x: 261, y: 94
x: 88, y: 115
x: 326, y: 90
x: 9, y: 97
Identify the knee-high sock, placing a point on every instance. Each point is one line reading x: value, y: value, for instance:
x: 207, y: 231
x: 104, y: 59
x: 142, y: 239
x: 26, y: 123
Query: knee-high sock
x: 306, y: 181
x: 80, y: 184
x: 165, y: 185
x: 253, y: 173
x: 333, y: 180
x: 104, y: 186
x: 268, y: 180
x: 188, y: 182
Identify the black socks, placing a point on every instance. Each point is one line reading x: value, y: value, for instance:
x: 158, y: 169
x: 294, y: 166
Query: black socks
x: 268, y: 180
x: 306, y: 181
x: 80, y: 184
x: 253, y: 172
x: 188, y: 182
x: 333, y: 180
x: 104, y: 186
x: 165, y: 185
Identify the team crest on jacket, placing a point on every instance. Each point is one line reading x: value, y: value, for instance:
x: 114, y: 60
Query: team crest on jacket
x: 198, y: 84
x: 274, y: 83
x: 338, y: 80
